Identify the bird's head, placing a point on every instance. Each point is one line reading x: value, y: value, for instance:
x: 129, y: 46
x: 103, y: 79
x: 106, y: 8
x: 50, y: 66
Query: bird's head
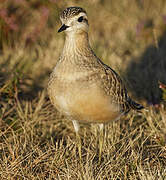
x: 74, y: 20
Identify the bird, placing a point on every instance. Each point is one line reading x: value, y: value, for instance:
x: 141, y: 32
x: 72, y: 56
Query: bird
x: 81, y: 86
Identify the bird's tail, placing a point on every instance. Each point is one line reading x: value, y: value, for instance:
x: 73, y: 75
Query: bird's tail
x: 135, y: 105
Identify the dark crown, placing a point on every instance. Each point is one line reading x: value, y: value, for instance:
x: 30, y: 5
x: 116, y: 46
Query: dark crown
x: 71, y: 11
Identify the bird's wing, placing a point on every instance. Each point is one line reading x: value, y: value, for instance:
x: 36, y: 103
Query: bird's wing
x: 114, y: 87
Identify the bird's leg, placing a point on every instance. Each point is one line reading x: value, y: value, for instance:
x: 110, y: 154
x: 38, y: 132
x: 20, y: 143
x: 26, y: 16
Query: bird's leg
x: 78, y: 139
x: 101, y: 139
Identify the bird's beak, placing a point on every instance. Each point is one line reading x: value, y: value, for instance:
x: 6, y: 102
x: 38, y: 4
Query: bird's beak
x: 63, y: 27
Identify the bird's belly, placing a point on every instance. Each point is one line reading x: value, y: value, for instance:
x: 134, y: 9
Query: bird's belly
x: 87, y: 105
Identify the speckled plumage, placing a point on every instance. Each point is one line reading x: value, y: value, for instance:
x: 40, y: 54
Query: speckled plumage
x: 71, y: 11
x: 81, y: 85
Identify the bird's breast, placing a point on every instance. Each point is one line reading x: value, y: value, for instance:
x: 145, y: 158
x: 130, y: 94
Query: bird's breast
x: 82, y: 100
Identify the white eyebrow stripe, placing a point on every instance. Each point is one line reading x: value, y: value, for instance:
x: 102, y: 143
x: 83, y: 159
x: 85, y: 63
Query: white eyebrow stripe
x: 82, y: 14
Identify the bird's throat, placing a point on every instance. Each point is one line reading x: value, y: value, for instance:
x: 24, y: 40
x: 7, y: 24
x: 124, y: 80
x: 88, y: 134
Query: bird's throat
x: 77, y: 43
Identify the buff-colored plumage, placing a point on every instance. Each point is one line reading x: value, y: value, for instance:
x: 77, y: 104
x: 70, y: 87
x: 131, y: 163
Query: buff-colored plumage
x: 81, y: 86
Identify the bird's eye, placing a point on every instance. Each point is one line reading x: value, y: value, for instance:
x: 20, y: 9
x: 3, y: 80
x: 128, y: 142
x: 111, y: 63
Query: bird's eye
x: 80, y: 19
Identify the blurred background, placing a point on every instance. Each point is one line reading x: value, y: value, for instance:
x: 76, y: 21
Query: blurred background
x: 36, y: 141
x: 130, y: 36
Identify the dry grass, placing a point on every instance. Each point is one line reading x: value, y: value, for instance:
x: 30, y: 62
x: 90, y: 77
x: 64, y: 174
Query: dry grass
x: 36, y: 142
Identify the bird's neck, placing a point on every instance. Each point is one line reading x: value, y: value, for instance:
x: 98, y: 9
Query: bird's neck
x: 77, y: 44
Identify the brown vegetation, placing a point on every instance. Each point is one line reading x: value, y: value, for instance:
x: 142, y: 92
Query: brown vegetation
x: 36, y: 142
